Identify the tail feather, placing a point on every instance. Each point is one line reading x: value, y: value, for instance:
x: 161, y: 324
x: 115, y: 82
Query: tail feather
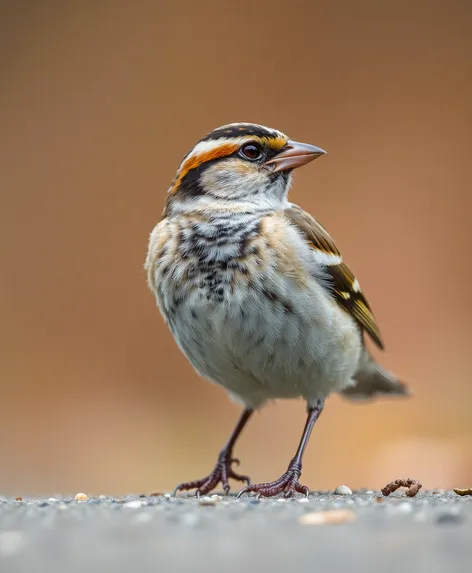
x: 372, y: 381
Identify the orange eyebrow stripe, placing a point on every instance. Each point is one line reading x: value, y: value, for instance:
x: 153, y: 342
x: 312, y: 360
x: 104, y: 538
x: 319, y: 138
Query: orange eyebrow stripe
x: 197, y: 160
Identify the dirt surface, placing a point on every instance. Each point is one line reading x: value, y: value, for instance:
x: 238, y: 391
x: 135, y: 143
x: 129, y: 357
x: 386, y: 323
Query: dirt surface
x: 361, y: 532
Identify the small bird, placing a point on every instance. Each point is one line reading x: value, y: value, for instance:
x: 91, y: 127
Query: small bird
x: 255, y: 291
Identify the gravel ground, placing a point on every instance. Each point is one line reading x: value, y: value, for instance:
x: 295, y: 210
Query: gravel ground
x: 362, y: 532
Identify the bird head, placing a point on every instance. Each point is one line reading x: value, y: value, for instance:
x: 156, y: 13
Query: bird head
x: 240, y: 162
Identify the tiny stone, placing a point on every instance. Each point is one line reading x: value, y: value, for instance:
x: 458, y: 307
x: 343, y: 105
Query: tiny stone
x: 343, y: 490
x: 206, y: 501
x: 155, y: 493
x: 135, y: 504
x: 303, y: 500
x: 102, y: 496
x: 19, y: 498
x: 81, y: 497
x: 52, y: 499
x: 331, y: 517
x: 167, y: 495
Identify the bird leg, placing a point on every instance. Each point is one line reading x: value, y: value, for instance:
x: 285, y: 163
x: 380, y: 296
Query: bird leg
x: 223, y: 470
x: 288, y: 482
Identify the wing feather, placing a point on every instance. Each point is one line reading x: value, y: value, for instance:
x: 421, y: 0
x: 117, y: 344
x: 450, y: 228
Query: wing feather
x: 345, y: 287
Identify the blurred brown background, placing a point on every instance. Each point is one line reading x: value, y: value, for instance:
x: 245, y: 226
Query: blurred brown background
x: 99, y: 101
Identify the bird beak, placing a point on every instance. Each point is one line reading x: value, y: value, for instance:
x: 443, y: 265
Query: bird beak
x: 293, y: 155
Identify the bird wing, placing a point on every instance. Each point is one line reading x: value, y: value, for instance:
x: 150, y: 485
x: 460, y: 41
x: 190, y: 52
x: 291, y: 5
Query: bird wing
x: 344, y: 285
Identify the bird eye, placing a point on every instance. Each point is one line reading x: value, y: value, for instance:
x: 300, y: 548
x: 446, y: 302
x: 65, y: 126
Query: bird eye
x: 251, y: 151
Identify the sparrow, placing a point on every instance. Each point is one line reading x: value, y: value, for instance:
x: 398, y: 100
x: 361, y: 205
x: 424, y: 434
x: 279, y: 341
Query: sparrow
x: 255, y: 291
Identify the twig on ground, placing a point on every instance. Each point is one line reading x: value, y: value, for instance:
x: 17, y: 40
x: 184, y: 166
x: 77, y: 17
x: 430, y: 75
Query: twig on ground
x: 413, y: 487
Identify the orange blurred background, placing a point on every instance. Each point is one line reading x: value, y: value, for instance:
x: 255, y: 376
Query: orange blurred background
x: 99, y: 102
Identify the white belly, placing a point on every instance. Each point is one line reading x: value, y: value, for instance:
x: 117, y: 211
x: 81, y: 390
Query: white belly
x: 258, y: 349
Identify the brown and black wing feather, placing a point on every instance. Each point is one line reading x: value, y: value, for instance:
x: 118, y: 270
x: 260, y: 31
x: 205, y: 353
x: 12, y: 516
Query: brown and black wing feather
x: 344, y: 285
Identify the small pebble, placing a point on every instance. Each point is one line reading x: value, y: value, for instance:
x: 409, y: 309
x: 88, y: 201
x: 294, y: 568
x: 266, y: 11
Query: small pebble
x: 52, y: 499
x: 102, y: 496
x: 343, y: 490
x: 204, y: 501
x: 156, y: 494
x: 19, y: 498
x: 167, y: 495
x: 303, y: 500
x: 332, y: 517
x: 135, y: 504
x: 81, y: 497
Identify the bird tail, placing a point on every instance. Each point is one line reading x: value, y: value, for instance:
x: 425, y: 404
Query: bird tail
x: 372, y: 381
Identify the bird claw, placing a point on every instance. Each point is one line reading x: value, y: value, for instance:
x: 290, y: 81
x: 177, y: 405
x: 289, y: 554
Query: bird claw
x: 221, y: 473
x: 288, y: 484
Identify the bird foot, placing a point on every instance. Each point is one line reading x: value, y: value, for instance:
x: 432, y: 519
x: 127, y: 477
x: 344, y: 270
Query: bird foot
x: 287, y: 483
x: 221, y: 473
